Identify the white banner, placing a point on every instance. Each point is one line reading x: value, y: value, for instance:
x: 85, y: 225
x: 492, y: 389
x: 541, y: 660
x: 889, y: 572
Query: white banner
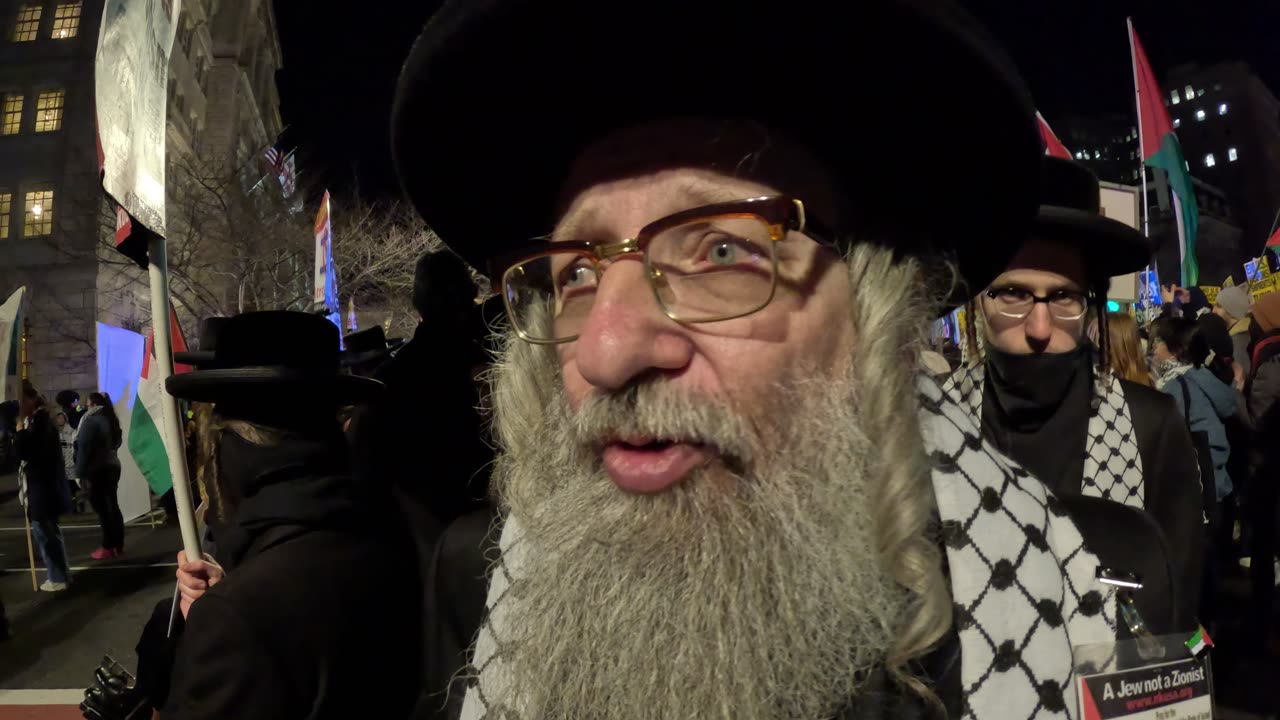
x: 10, y: 338
x: 131, y: 89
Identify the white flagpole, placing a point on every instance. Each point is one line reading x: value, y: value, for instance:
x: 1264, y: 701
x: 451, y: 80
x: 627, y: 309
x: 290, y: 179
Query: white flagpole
x: 170, y: 426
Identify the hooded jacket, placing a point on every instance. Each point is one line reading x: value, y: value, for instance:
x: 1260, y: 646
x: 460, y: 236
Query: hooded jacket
x: 1212, y: 402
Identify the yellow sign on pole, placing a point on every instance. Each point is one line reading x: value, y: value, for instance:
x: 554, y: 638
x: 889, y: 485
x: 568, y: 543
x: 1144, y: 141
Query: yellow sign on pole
x: 1211, y: 293
x: 1263, y: 286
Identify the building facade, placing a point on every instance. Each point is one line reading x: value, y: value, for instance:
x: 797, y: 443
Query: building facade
x: 54, y: 225
x: 1228, y: 122
x: 1106, y: 144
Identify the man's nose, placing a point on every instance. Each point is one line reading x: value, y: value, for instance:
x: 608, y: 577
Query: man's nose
x: 1039, y: 324
x: 626, y: 334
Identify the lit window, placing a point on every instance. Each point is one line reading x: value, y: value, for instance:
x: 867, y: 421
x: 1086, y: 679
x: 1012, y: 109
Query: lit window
x: 1209, y: 161
x: 1176, y: 97
x: 12, y: 114
x: 66, y: 20
x: 1079, y: 155
x: 27, y: 25
x: 49, y: 110
x: 1190, y: 92
x: 38, y: 216
x: 1200, y: 92
x: 6, y: 206
x: 1232, y: 155
x: 1222, y: 109
x: 1200, y: 115
x: 1177, y: 122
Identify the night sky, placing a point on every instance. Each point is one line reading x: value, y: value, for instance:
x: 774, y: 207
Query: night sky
x: 341, y: 66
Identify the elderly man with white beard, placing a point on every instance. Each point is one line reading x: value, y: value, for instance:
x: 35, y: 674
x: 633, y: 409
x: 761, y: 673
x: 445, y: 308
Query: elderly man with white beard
x: 723, y: 488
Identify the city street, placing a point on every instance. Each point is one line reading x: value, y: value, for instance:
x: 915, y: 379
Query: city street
x: 59, y: 638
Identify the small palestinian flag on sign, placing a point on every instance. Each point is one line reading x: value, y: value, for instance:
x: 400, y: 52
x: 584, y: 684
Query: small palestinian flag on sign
x: 1199, y: 642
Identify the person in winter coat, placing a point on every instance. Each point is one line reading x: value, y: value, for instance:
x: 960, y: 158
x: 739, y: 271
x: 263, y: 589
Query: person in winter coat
x: 718, y: 455
x: 48, y: 496
x: 1179, y: 353
x: 319, y: 590
x: 1262, y: 504
x: 1049, y: 397
x: 98, y: 465
x: 432, y: 405
x: 1232, y: 306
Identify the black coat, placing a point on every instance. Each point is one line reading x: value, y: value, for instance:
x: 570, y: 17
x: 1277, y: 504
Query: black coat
x: 1171, y: 477
x: 427, y: 438
x: 1122, y: 537
x: 317, y: 617
x: 1263, y: 395
x: 96, y: 445
x: 48, y: 495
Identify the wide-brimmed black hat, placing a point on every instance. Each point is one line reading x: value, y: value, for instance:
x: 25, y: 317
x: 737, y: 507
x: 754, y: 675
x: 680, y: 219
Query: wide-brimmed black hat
x: 208, y: 339
x: 1071, y: 210
x: 270, y: 357
x: 367, y: 346
x: 924, y: 123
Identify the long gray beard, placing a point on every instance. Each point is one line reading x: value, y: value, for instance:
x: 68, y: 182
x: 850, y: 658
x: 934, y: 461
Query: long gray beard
x: 750, y: 590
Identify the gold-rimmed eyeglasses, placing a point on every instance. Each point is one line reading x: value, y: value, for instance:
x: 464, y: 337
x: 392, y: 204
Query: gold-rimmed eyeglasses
x: 1017, y: 303
x: 708, y: 264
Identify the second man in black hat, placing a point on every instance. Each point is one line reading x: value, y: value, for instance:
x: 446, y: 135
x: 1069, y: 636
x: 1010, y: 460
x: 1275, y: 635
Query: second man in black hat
x: 1047, y: 397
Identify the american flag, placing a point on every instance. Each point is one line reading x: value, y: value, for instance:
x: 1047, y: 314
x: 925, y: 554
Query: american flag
x: 275, y: 159
x: 282, y: 165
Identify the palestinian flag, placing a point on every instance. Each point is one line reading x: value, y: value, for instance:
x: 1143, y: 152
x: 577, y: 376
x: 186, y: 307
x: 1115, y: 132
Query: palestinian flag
x: 1052, y: 145
x: 1199, y: 642
x: 146, y: 442
x: 1160, y: 149
x: 1273, y: 242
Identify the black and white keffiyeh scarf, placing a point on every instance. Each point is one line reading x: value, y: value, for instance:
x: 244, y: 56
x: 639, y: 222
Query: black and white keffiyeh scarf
x: 1112, y: 463
x: 1022, y: 582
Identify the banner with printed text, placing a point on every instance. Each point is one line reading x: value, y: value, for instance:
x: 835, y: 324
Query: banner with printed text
x: 131, y: 75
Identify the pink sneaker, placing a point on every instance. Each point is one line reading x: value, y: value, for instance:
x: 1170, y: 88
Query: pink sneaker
x: 102, y: 554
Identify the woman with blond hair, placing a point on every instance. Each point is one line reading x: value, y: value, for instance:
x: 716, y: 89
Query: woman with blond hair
x: 1124, y: 347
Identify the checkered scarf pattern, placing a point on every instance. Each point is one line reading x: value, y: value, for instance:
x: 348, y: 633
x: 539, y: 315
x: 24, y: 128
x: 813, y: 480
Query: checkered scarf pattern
x: 1112, y: 463
x: 1022, y: 582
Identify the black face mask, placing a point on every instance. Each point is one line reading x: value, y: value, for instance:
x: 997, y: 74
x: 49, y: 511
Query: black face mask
x: 1031, y: 388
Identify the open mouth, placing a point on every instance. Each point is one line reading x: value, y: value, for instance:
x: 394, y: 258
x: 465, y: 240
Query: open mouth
x: 650, y: 465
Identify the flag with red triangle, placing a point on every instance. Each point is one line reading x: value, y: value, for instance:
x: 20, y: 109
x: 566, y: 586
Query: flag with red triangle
x: 1161, y: 149
x: 146, y: 439
x: 1052, y: 145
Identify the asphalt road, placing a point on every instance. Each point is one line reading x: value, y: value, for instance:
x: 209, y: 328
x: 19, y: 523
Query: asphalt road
x: 59, y: 638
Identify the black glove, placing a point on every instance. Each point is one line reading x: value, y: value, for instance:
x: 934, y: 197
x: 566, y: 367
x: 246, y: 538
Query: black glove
x: 113, y: 696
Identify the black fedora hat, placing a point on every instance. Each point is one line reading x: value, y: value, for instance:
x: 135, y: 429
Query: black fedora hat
x: 499, y: 97
x: 275, y: 356
x: 1071, y: 210
x: 208, y: 339
x: 367, y: 346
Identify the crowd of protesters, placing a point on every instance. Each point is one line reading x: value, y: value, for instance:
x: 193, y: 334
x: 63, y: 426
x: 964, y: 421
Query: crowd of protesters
x: 694, y: 457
